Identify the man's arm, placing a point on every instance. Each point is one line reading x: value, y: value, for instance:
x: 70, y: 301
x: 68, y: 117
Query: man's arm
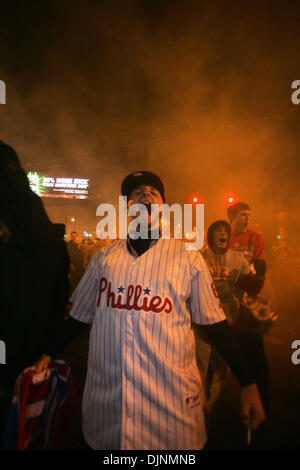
x: 207, y: 312
x: 251, y: 284
x: 70, y: 330
x: 82, y: 313
x: 221, y: 337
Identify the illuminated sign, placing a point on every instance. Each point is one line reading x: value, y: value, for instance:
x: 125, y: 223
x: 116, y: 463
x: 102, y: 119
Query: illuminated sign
x: 46, y: 186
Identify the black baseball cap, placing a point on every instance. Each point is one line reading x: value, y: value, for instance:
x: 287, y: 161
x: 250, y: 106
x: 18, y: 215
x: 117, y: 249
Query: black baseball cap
x: 139, y: 178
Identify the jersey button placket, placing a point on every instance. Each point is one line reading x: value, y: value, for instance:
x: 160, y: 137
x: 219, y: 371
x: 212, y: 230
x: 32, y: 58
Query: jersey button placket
x: 129, y: 359
x: 129, y: 376
x: 134, y: 271
x: 125, y: 356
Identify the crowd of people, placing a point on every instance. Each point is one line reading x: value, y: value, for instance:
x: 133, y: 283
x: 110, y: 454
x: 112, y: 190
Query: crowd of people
x: 81, y: 251
x: 167, y: 323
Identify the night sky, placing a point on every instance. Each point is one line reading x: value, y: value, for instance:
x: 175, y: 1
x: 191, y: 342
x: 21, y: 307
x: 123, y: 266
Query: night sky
x: 196, y: 91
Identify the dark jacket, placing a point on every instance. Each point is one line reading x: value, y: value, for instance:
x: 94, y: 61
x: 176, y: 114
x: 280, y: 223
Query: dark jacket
x: 34, y: 266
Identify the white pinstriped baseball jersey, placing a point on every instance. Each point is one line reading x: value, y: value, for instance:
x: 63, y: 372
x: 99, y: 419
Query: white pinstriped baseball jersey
x: 143, y: 389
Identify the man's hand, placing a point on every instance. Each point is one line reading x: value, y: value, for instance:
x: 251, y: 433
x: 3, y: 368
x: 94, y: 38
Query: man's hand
x: 42, y: 363
x: 252, y: 410
x: 260, y: 268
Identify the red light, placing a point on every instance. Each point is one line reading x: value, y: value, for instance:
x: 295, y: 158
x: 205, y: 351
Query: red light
x: 195, y: 199
x: 230, y: 198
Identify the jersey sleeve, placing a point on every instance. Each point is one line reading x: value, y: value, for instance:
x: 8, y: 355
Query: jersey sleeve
x: 245, y: 266
x: 85, y: 295
x: 259, y: 247
x: 204, y: 302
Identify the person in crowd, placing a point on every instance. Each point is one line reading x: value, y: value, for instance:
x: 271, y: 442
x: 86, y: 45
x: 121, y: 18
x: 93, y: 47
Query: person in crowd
x: 231, y: 274
x: 34, y: 287
x: 93, y: 249
x: 85, y: 245
x: 76, y: 260
x: 251, y: 244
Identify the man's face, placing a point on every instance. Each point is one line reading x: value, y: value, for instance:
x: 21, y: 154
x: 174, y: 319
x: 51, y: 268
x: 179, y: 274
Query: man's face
x: 241, y: 221
x: 146, y: 195
x: 74, y: 237
x: 220, y: 239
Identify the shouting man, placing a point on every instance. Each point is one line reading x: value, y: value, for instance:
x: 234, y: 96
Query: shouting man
x: 143, y: 389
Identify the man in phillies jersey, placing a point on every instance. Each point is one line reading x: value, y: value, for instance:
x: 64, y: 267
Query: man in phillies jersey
x: 143, y: 389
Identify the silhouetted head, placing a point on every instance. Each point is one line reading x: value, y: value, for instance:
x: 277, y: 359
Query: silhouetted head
x: 12, y: 175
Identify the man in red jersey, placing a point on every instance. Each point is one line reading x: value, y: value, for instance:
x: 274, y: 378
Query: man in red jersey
x: 251, y: 244
x: 242, y: 239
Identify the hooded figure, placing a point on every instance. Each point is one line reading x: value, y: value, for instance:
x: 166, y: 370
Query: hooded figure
x: 231, y: 274
x: 34, y: 261
x: 229, y: 270
x: 226, y: 268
